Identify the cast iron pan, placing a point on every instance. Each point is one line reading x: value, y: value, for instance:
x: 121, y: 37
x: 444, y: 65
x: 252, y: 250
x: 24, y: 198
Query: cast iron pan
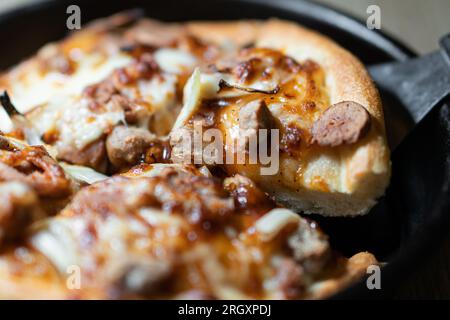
x: 410, y: 221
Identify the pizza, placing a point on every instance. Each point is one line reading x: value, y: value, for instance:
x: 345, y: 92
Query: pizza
x: 100, y: 200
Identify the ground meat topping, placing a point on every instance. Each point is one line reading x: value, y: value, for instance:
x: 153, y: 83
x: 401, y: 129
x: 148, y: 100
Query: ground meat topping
x: 196, y: 197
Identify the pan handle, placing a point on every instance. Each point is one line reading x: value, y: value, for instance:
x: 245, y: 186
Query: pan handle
x: 420, y: 84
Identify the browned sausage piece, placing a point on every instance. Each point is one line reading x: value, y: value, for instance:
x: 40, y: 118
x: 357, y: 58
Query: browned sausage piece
x: 246, y: 194
x: 344, y: 122
x: 19, y: 208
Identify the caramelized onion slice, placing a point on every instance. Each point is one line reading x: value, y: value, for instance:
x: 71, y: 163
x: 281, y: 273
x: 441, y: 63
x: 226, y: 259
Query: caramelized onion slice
x: 83, y: 174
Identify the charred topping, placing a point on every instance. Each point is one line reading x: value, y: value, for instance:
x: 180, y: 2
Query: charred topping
x: 224, y: 84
